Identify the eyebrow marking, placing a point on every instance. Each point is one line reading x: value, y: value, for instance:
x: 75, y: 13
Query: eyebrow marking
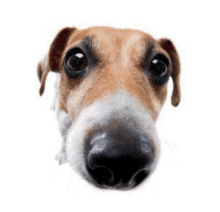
x: 89, y: 45
x: 146, y: 54
x: 148, y: 50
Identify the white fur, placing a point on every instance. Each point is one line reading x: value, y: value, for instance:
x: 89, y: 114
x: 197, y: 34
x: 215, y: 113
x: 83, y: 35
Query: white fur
x: 126, y: 108
x: 64, y: 121
x: 122, y: 106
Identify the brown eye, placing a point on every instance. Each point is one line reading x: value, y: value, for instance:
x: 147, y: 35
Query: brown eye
x: 76, y: 62
x: 158, y: 67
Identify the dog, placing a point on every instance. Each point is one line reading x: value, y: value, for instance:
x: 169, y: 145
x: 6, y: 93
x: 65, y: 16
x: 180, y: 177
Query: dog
x: 110, y: 88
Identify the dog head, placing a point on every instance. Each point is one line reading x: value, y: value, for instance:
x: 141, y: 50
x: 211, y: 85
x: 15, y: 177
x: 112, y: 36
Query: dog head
x: 113, y: 84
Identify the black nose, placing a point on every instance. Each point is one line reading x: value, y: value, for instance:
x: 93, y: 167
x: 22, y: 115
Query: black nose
x: 115, y: 159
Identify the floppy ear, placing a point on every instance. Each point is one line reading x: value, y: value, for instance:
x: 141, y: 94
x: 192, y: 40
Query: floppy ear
x: 51, y: 61
x: 168, y: 46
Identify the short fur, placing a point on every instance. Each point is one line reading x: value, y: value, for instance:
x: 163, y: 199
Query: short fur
x: 115, y: 87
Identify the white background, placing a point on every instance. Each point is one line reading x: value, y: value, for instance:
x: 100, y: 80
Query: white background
x: 188, y: 175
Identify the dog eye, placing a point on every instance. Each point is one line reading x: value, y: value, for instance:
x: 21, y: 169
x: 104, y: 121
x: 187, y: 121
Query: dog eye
x: 158, y: 67
x: 77, y: 61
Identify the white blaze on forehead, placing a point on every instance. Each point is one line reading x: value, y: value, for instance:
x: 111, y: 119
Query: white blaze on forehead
x: 129, y: 43
x: 120, y: 106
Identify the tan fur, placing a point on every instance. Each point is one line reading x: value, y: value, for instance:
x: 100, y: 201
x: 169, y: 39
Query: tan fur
x: 120, y: 52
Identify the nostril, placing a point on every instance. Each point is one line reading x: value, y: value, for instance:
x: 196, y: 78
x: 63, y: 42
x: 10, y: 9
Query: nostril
x: 110, y: 163
x: 102, y: 175
x: 140, y: 176
x: 98, y: 170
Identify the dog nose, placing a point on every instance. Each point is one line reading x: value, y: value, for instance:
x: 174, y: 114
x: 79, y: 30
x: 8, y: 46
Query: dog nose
x: 121, y: 160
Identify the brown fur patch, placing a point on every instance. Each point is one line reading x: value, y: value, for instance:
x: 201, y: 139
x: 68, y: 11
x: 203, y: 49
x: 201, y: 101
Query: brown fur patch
x: 120, y: 52
x: 168, y: 46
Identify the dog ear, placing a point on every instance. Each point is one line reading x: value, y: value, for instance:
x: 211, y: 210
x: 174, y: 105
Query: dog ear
x: 51, y: 61
x: 168, y: 46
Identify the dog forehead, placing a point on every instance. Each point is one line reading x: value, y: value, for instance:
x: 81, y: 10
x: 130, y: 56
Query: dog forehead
x: 112, y: 39
x: 110, y: 34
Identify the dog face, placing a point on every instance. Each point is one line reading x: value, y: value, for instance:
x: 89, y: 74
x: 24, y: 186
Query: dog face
x: 112, y: 86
